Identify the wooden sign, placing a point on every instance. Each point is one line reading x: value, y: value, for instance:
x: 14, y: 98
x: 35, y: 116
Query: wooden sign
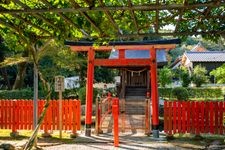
x: 59, y: 83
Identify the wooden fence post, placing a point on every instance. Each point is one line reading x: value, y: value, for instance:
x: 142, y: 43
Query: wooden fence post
x: 14, y: 132
x: 115, y: 109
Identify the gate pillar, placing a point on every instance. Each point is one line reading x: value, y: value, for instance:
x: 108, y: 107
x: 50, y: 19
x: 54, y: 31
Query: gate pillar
x: 154, y: 94
x: 89, y: 92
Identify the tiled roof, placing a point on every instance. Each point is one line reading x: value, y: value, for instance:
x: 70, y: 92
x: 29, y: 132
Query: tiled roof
x: 209, y: 56
x: 198, y: 48
x: 132, y: 54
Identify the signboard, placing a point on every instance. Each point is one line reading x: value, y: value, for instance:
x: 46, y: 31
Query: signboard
x: 59, y: 83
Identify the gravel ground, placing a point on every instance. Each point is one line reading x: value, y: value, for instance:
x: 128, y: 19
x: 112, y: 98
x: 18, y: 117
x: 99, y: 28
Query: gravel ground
x: 127, y: 142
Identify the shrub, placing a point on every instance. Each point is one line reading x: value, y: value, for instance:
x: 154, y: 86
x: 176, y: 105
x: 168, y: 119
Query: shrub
x: 82, y: 94
x: 180, y: 93
x: 165, y: 92
x: 200, y: 93
x: 165, y: 76
x: 199, y: 76
x: 19, y: 94
x: 184, y: 77
x: 205, y: 93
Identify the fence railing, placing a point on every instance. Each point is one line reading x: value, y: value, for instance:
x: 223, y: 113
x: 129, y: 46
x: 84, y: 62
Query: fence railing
x: 103, y: 108
x: 18, y: 115
x: 194, y: 117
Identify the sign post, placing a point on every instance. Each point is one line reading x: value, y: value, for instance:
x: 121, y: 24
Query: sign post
x: 59, y: 87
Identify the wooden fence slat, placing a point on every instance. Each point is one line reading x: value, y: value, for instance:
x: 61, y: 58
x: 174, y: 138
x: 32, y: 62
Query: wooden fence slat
x: 223, y: 117
x: 10, y: 114
x: 29, y: 113
x: 207, y: 124
x: 197, y: 123
x: 211, y: 117
x: 216, y: 131
x: 170, y: 118
x: 70, y: 114
x: 220, y: 118
x: 17, y: 114
x: 32, y: 116
x: 165, y: 116
x: 174, y: 117
x: 4, y: 114
x: 54, y: 114
x: 49, y: 116
x: 1, y: 114
x: 40, y: 104
x: 20, y: 122
x: 179, y: 116
x: 74, y: 130
x: 45, y: 125
x: 184, y: 119
x: 192, y: 116
x: 78, y: 112
x: 67, y: 114
x: 202, y: 106
x: 57, y: 112
x: 188, y: 117
x: 63, y: 115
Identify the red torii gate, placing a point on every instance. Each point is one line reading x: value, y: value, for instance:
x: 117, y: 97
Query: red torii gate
x: 152, y: 46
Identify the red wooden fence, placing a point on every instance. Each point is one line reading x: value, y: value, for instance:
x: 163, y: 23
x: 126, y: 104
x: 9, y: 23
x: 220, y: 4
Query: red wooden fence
x: 18, y: 115
x: 194, y: 117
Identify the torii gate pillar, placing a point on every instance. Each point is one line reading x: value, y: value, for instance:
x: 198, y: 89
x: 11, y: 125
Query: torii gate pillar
x: 89, y: 92
x: 154, y: 94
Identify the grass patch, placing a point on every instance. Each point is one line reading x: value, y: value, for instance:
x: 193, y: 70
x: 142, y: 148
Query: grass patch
x: 25, y: 134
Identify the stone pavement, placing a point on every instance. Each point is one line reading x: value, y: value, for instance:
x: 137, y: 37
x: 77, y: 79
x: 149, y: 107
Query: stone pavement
x: 127, y: 142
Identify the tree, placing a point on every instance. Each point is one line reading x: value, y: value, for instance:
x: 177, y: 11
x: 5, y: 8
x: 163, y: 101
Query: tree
x: 219, y: 74
x: 165, y: 76
x: 184, y: 77
x: 199, y: 76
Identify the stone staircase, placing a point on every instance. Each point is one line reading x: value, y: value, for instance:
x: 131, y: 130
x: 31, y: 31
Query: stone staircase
x: 135, y: 100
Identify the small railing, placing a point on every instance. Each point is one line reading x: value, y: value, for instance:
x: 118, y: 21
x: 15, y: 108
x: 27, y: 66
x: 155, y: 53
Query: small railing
x: 103, y: 109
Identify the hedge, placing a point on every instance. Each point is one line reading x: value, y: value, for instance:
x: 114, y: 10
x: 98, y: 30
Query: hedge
x: 28, y: 94
x: 204, y: 93
x: 19, y: 94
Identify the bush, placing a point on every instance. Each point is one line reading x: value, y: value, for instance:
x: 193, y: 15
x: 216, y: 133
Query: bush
x: 165, y: 92
x: 28, y: 94
x: 19, y: 94
x: 82, y: 94
x: 199, y: 76
x: 205, y: 93
x: 200, y: 93
x: 165, y: 76
x: 180, y: 93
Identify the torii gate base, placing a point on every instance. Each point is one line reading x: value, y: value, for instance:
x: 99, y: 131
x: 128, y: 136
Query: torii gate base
x: 152, y: 46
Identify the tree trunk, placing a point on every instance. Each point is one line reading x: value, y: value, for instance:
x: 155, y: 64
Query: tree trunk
x: 33, y: 139
x: 31, y: 142
x: 18, y: 84
x: 6, y: 79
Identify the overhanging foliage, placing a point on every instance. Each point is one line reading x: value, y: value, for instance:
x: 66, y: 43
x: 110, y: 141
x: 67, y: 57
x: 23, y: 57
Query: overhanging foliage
x: 112, y: 19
